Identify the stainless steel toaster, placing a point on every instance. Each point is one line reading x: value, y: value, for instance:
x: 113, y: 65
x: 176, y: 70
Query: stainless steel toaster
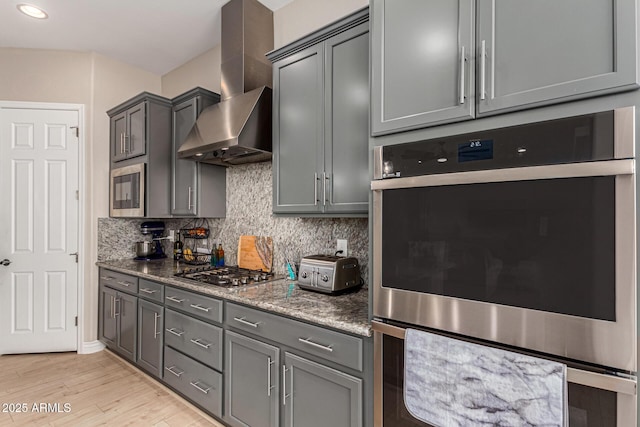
x: 328, y: 274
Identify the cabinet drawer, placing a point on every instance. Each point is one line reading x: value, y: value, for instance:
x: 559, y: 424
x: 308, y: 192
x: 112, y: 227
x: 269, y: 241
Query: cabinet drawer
x: 206, y: 308
x: 196, y: 338
x: 151, y: 290
x: 194, y: 380
x: 340, y: 348
x: 120, y: 281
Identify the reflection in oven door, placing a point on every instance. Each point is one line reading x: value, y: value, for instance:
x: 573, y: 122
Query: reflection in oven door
x: 595, y: 399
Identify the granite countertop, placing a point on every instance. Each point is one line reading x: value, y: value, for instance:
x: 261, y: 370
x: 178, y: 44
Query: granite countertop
x: 348, y: 312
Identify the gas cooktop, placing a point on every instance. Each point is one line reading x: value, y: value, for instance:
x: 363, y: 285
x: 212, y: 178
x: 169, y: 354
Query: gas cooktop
x: 228, y: 276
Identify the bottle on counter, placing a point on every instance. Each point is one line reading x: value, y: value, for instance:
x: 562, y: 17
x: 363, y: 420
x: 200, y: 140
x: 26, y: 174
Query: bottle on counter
x: 220, y: 254
x: 214, y: 256
x: 177, y: 248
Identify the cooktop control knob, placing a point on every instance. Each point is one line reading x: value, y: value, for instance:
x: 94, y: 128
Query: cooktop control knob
x: 325, y: 278
x: 304, y: 275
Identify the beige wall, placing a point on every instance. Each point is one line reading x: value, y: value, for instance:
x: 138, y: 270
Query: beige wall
x: 99, y: 84
x: 203, y: 71
x: 302, y: 17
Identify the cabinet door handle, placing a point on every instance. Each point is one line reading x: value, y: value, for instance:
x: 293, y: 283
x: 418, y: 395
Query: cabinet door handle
x: 174, y: 299
x: 148, y: 291
x: 200, y: 307
x: 197, y: 385
x: 121, y: 142
x: 246, y: 322
x: 315, y: 189
x: 463, y: 60
x: 171, y: 369
x: 189, y: 206
x: 284, y: 385
x: 483, y: 63
x: 116, y: 301
x: 324, y: 188
x: 199, y: 342
x: 269, y: 386
x: 127, y: 148
x: 156, y: 316
x: 308, y: 341
x: 112, y: 306
x: 174, y: 331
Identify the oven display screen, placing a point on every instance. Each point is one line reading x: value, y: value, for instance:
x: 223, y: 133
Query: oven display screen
x: 475, y: 150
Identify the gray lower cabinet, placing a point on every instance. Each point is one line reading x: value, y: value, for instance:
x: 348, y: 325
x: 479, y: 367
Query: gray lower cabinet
x: 443, y: 61
x: 318, y: 396
x: 321, y: 98
x: 150, y: 337
x: 268, y: 365
x: 118, y: 321
x: 198, y: 382
x: 197, y: 189
x: 252, y: 378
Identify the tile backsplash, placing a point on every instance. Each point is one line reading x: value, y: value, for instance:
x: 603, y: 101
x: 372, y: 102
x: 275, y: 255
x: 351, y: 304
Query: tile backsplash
x: 249, y: 211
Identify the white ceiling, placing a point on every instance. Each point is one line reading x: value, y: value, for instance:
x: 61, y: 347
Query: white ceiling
x: 155, y: 35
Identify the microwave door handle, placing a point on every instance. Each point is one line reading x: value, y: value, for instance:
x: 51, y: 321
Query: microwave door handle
x: 601, y: 381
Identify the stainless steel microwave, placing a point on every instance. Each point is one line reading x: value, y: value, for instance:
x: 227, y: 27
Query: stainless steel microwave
x: 524, y: 236
x: 127, y: 191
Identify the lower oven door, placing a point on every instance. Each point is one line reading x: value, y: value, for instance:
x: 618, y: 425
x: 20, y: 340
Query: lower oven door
x: 595, y: 399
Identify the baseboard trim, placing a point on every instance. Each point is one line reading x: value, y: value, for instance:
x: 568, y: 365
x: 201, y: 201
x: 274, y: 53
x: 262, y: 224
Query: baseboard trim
x: 89, y: 347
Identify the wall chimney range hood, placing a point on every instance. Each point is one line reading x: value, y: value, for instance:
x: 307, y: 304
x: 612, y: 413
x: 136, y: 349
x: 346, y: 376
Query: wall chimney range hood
x: 237, y: 130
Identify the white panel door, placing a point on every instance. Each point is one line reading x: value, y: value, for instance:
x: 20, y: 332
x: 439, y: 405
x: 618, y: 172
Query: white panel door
x: 38, y: 230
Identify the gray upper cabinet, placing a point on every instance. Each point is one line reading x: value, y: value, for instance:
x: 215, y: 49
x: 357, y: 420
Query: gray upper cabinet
x: 321, y: 98
x: 197, y: 189
x: 251, y: 382
x: 542, y: 52
x: 318, y: 396
x: 441, y: 61
x: 422, y: 62
x: 141, y: 133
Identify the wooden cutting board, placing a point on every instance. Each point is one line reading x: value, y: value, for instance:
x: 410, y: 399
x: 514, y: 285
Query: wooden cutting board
x: 255, y: 253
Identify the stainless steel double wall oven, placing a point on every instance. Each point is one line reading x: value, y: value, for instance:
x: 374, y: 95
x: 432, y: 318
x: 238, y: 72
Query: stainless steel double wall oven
x: 523, y: 237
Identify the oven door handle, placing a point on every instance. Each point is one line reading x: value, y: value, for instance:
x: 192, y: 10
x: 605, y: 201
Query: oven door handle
x: 574, y: 376
x: 569, y: 170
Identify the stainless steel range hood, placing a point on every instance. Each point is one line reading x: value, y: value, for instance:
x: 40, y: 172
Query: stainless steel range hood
x: 238, y: 129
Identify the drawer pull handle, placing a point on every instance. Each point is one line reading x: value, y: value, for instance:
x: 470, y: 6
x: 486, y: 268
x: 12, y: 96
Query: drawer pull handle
x: 200, y: 307
x: 174, y: 331
x: 246, y: 322
x: 171, y: 369
x: 148, y: 291
x: 123, y: 283
x: 107, y: 277
x: 316, y: 345
x: 197, y: 385
x: 174, y: 299
x: 201, y: 343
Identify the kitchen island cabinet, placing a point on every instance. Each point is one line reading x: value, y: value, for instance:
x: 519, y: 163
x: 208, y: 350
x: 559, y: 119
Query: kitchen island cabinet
x: 320, y: 118
x: 440, y: 61
x: 191, y: 180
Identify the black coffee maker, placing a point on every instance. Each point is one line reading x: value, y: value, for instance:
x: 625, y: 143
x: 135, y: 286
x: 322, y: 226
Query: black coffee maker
x: 145, y: 250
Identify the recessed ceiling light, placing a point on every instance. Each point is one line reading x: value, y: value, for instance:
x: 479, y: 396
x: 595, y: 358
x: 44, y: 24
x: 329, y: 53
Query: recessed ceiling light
x: 32, y: 11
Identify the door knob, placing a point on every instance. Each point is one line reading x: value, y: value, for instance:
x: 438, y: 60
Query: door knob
x: 5, y: 262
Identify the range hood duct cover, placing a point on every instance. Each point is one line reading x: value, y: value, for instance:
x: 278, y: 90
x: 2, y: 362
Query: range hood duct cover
x: 238, y: 129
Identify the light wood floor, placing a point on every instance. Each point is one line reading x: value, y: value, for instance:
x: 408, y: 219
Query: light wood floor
x: 99, y: 389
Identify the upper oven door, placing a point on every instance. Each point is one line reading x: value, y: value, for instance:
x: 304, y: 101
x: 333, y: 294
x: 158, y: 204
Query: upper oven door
x: 540, y: 257
x: 127, y: 191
